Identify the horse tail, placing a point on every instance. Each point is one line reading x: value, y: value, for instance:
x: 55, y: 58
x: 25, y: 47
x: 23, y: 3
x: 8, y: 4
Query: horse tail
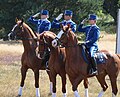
x: 119, y: 59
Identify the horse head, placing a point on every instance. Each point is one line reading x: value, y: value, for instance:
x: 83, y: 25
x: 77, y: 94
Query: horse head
x: 64, y: 36
x: 19, y: 31
x: 45, y: 42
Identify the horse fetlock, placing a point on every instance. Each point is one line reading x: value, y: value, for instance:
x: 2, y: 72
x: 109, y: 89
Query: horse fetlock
x: 37, y: 92
x: 101, y: 93
x: 18, y: 96
x: 86, y: 92
x: 53, y: 94
x: 113, y: 95
x: 64, y: 94
x: 76, y: 94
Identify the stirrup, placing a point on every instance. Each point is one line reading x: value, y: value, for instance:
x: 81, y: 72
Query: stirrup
x: 47, y: 69
x: 95, y: 72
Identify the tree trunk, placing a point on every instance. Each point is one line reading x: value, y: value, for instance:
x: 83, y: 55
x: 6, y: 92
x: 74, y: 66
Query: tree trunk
x: 111, y: 7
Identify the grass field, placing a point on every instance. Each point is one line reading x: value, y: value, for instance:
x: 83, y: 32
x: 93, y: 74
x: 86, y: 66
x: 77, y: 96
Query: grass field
x: 10, y: 55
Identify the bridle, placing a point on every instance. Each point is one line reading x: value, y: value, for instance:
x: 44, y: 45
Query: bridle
x: 19, y: 31
x: 44, y: 44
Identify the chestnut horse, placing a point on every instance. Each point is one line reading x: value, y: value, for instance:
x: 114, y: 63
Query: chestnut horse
x: 29, y: 58
x: 56, y: 61
x: 76, y: 67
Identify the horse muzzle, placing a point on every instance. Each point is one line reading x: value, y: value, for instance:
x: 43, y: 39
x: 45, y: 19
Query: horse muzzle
x: 11, y: 36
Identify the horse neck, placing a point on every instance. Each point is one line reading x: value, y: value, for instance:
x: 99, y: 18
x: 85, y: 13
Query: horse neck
x: 28, y: 41
x: 72, y: 48
x: 72, y: 39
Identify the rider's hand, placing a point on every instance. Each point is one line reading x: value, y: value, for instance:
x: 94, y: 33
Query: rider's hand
x: 86, y: 42
x: 59, y: 17
x: 83, y: 21
x: 36, y: 15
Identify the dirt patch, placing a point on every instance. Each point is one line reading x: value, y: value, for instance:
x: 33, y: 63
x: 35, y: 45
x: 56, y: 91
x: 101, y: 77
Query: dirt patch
x: 10, y: 59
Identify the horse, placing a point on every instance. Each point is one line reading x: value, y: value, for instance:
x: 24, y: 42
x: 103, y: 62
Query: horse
x: 56, y: 62
x: 29, y: 58
x: 76, y: 67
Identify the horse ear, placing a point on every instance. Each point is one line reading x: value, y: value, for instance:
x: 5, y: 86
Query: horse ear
x: 61, y: 26
x: 21, y: 21
x: 16, y: 19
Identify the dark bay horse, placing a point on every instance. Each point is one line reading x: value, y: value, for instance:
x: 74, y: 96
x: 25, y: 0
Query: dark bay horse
x: 29, y: 58
x: 76, y: 67
x: 56, y: 62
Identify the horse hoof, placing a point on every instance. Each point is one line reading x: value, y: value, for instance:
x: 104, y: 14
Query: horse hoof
x: 18, y: 96
x: 49, y: 94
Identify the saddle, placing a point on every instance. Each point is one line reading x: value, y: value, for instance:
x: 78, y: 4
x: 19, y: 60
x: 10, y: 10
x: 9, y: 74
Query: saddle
x: 100, y: 57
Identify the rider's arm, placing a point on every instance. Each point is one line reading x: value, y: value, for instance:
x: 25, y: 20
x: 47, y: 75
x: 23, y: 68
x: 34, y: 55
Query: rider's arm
x: 81, y: 28
x: 55, y: 24
x: 32, y: 20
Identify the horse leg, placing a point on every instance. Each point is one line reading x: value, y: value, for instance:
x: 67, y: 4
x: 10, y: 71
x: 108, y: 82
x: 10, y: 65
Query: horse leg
x: 113, y: 80
x: 101, y: 79
x: 75, y: 85
x: 53, y: 77
x: 64, y: 85
x: 86, y: 87
x: 51, y: 84
x: 36, y: 74
x: 23, y: 74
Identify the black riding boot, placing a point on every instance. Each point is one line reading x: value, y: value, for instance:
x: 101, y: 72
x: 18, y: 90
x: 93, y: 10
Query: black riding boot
x: 94, y: 66
x: 47, y: 56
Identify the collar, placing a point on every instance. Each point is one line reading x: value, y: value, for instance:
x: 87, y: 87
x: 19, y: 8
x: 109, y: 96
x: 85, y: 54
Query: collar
x: 68, y: 20
x: 94, y: 25
x: 44, y: 19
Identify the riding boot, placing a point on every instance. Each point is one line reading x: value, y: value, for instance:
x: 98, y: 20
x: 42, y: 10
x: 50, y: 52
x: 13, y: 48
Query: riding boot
x: 47, y: 56
x: 94, y: 66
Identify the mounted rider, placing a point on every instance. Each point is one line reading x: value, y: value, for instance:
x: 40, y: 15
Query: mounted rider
x: 92, y: 33
x: 42, y: 24
x: 67, y: 20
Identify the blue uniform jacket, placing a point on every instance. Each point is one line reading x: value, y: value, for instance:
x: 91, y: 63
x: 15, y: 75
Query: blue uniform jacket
x: 56, y: 24
x: 42, y: 24
x: 92, y: 33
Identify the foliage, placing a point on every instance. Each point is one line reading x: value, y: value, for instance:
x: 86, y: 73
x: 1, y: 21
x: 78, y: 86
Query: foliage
x: 111, y: 7
x: 10, y: 9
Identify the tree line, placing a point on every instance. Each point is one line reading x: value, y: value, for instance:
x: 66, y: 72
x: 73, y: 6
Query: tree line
x: 10, y: 9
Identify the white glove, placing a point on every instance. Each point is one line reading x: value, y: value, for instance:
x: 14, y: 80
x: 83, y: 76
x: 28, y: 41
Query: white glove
x: 83, y: 21
x: 36, y: 15
x: 59, y: 17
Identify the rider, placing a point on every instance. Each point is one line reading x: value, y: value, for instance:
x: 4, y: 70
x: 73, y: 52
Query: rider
x: 92, y: 33
x: 42, y: 24
x: 67, y: 20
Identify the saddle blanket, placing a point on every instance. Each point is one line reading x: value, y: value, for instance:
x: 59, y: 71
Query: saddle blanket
x: 99, y: 56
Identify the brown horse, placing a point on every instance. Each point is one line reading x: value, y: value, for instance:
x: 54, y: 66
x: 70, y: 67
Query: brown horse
x: 76, y: 67
x: 56, y: 61
x: 29, y: 58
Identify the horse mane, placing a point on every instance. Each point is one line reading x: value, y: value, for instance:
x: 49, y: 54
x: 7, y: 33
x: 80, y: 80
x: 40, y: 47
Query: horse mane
x: 73, y: 35
x: 31, y: 31
x: 49, y: 33
x: 26, y: 26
